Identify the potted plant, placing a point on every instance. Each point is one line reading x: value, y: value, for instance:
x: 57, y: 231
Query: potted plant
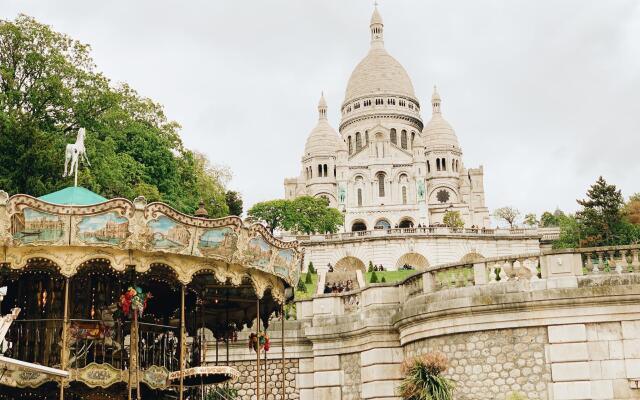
x: 423, y: 379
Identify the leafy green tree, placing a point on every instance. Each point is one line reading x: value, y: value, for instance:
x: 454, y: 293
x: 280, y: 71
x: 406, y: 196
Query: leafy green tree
x: 374, y: 277
x: 311, y: 268
x: 383, y: 280
x: 452, y: 219
x: 508, y: 214
x: 601, y: 216
x: 530, y: 220
x: 370, y: 269
x: 569, y: 232
x: 49, y: 88
x: 308, y: 278
x: 234, y: 202
x: 632, y: 209
x: 548, y: 220
x: 273, y: 213
x: 301, y: 286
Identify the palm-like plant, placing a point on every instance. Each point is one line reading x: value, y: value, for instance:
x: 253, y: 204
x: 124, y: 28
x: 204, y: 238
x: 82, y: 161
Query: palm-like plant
x: 423, y: 378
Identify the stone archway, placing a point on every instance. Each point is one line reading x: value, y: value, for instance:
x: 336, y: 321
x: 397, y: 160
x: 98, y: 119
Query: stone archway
x: 415, y: 260
x: 472, y: 257
x: 349, y: 264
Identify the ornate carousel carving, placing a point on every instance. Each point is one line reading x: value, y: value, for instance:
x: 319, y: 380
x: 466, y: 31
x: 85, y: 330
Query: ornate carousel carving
x: 124, y: 295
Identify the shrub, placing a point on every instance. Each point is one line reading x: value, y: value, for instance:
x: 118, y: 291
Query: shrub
x: 301, y: 286
x: 370, y: 266
x: 383, y: 280
x: 308, y: 279
x: 423, y: 378
x: 311, y: 268
x: 374, y: 277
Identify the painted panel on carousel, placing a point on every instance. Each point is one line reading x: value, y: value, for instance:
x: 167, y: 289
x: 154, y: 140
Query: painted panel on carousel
x: 33, y: 226
x: 108, y: 228
x: 167, y: 234
x: 258, y: 252
x: 284, y: 262
x: 220, y: 242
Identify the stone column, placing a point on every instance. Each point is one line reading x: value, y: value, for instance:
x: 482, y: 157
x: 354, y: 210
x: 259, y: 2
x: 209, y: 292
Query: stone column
x: 381, y: 373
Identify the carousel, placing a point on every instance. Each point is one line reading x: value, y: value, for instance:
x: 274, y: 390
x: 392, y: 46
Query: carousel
x: 131, y: 299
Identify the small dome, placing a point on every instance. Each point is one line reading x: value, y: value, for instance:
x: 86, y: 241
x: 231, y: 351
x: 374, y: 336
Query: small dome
x: 323, y: 139
x: 439, y: 132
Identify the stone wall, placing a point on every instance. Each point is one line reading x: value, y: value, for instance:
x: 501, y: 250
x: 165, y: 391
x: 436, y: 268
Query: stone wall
x: 493, y: 364
x: 247, y: 382
x: 350, y: 364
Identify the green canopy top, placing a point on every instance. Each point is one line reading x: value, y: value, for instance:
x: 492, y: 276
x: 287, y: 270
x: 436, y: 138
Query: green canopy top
x: 73, y: 196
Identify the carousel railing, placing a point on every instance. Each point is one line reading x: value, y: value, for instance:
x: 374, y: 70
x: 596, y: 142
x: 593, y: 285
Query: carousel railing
x: 98, y: 341
x: 35, y: 340
x: 158, y: 345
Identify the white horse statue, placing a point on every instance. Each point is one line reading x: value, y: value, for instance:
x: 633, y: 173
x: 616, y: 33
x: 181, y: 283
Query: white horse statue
x: 74, y: 153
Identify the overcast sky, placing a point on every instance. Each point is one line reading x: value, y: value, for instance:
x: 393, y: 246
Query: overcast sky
x: 544, y: 94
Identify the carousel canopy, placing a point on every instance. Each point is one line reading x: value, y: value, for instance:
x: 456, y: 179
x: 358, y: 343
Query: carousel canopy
x: 73, y: 196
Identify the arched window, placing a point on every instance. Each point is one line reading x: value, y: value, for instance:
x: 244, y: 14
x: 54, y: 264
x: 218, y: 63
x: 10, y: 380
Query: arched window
x: 413, y: 137
x: 335, y: 174
x: 394, y: 136
x: 428, y: 167
x: 406, y: 223
x: 380, y: 176
x: 358, y: 226
x: 319, y: 171
x: 359, y: 197
x: 404, y: 195
x: 358, y: 141
x: 403, y: 139
x: 383, y: 224
x: 366, y: 138
x: 324, y: 167
x: 444, y: 164
x: 349, y: 144
x: 437, y: 164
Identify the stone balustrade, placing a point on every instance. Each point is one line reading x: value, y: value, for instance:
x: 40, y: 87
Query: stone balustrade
x: 545, y: 234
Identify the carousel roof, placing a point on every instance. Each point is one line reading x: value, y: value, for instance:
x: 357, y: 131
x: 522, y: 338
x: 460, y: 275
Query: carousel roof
x: 73, y: 196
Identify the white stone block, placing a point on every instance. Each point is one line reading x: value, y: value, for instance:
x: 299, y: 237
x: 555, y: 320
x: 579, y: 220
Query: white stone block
x: 616, y: 351
x: 633, y: 368
x: 631, y: 348
x: 609, y: 331
x: 306, y: 394
x: 380, y: 372
x: 592, y: 332
x: 595, y: 370
x: 388, y: 355
x: 631, y: 329
x: 568, y: 352
x: 326, y: 363
x: 572, y: 391
x: 612, y: 369
x: 598, y: 350
x: 562, y: 282
x: 567, y: 333
x: 602, y: 390
x: 304, y: 381
x: 327, y: 393
x: 574, y: 371
x: 373, y: 390
x: 327, y: 378
x: 305, y: 365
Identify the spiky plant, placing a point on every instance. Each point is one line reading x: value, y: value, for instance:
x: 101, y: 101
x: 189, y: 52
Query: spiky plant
x: 423, y: 378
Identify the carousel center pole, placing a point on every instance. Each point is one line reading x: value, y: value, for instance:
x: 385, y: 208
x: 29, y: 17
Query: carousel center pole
x: 265, y: 373
x: 258, y: 349
x: 182, y: 342
x: 282, y: 348
x: 65, y: 340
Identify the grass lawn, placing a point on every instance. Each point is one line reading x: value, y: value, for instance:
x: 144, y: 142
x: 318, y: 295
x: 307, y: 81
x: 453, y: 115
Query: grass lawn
x: 390, y: 276
x: 311, y: 287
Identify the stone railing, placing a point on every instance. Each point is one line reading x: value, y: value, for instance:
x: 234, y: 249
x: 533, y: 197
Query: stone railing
x: 547, y: 234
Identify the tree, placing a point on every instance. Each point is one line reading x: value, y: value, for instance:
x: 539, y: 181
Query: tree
x: 374, y: 277
x: 423, y: 378
x: 452, y: 219
x: 273, y: 213
x: 49, y: 88
x: 308, y: 279
x: 601, y: 214
x: 632, y: 209
x: 301, y: 287
x: 569, y: 232
x: 311, y: 269
x: 509, y: 214
x: 234, y: 202
x: 530, y: 220
x: 304, y: 214
x: 370, y: 269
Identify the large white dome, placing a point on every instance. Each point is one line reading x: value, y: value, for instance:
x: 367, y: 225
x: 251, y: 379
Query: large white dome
x: 378, y: 73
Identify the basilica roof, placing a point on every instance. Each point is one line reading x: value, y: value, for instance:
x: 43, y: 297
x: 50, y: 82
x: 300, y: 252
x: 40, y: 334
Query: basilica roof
x: 378, y: 72
x: 323, y: 139
x: 438, y: 132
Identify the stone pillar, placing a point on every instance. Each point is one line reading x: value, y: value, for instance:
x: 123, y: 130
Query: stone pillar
x: 381, y: 373
x: 327, y: 378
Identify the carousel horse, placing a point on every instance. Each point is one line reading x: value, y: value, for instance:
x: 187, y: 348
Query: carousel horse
x: 93, y: 332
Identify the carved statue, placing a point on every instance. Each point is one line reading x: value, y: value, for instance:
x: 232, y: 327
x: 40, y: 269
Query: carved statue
x: 74, y: 152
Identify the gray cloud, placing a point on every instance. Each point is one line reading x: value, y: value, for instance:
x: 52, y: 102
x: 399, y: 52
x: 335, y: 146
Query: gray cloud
x: 544, y: 94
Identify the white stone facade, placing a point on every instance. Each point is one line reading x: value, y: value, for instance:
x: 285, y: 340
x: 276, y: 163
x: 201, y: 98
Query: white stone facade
x: 386, y: 168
